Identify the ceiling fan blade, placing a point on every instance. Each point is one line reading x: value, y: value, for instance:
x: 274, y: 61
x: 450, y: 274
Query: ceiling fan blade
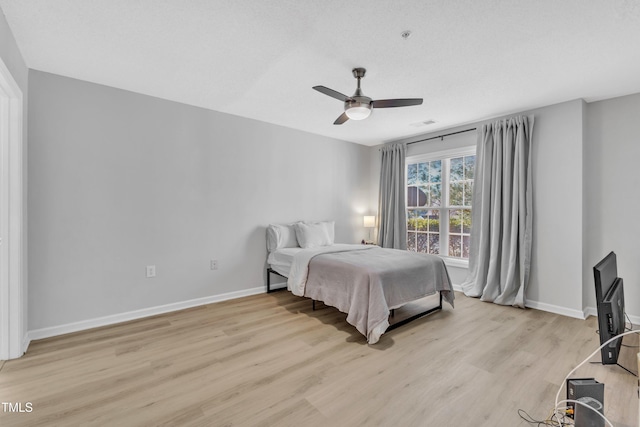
x: 389, y: 103
x: 340, y: 120
x: 332, y: 93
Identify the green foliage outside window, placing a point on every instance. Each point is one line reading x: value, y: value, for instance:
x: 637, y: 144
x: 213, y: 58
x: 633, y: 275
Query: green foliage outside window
x: 433, y: 224
x: 423, y: 224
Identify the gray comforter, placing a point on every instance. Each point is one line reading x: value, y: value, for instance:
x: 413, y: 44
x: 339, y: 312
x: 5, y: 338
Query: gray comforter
x: 367, y: 282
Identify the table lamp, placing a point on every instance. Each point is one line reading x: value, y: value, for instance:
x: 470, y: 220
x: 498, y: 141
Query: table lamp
x: 369, y: 222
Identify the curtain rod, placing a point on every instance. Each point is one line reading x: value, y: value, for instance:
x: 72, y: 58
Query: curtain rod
x: 441, y: 136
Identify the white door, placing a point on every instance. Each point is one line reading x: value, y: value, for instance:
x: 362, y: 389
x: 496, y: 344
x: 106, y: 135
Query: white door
x: 4, y: 276
x: 12, y: 310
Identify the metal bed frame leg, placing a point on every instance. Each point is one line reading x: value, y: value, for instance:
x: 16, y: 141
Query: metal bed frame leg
x: 416, y: 316
x: 271, y: 271
x: 268, y: 281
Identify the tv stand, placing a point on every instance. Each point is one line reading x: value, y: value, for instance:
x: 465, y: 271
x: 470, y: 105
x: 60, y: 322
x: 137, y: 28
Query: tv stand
x: 628, y: 370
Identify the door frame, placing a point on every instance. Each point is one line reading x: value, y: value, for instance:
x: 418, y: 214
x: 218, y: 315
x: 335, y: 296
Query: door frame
x: 13, y: 337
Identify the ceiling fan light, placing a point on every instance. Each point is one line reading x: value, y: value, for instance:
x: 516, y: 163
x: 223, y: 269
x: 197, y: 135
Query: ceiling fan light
x: 358, y: 111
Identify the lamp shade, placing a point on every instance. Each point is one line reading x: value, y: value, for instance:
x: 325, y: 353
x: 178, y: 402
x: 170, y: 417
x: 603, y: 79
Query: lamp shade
x: 369, y: 221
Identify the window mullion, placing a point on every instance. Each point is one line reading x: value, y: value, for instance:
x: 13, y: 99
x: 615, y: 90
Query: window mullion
x: 444, y: 213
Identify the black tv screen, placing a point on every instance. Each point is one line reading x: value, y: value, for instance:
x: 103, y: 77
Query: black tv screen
x: 610, y: 305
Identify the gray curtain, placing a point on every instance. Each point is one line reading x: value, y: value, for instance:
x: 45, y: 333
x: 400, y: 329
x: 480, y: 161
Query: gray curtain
x: 500, y: 253
x: 392, y: 222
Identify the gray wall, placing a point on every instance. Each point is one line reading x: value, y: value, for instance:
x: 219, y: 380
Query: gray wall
x: 556, y: 263
x: 612, y: 193
x: 118, y: 181
x: 12, y: 58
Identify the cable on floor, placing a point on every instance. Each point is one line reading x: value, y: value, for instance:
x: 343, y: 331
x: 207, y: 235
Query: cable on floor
x: 582, y: 363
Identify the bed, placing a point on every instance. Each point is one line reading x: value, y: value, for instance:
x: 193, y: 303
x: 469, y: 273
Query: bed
x: 365, y: 281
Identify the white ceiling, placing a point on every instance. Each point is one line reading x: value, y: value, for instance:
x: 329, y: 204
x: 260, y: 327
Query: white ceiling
x: 469, y: 60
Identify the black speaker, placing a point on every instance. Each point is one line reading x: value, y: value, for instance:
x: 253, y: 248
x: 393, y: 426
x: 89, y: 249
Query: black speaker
x: 591, y: 393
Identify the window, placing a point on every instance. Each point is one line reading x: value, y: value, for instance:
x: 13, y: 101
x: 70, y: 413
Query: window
x: 439, y: 189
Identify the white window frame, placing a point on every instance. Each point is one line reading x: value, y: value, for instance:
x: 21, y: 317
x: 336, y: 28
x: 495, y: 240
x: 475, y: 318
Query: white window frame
x: 444, y: 155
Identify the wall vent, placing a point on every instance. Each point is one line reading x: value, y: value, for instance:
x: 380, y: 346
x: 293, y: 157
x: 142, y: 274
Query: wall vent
x: 423, y: 123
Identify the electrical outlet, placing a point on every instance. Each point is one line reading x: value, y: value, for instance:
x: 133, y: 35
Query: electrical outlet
x: 214, y: 264
x: 151, y: 271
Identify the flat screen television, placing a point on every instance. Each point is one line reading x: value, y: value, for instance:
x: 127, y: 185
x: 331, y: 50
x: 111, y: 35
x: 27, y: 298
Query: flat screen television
x: 610, y: 305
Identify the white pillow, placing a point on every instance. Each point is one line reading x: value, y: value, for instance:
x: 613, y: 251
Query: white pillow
x: 281, y: 236
x: 314, y: 234
x: 330, y: 226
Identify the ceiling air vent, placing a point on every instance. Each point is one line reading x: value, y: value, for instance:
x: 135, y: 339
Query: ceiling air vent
x: 423, y: 123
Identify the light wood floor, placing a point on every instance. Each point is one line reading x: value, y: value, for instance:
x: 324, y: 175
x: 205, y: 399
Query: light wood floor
x: 270, y: 360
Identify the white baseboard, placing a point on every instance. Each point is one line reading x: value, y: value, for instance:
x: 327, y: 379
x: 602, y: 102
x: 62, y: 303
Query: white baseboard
x: 26, y: 340
x: 136, y: 314
x: 569, y: 312
x: 545, y: 307
x: 634, y: 319
x: 592, y: 311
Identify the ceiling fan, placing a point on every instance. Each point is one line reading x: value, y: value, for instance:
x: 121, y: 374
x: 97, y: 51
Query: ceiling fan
x: 358, y: 106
